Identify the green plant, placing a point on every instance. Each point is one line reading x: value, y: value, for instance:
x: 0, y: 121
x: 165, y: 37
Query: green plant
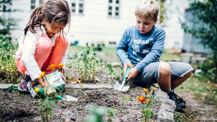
x: 147, y: 102
x: 110, y: 112
x: 205, y: 18
x: 8, y: 69
x: 207, y: 71
x: 110, y: 69
x: 6, y: 24
x: 163, y: 12
x: 87, y: 64
x: 95, y: 114
x: 46, y: 107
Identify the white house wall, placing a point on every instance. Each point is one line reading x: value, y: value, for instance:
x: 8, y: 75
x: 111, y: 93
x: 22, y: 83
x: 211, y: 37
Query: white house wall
x: 95, y: 26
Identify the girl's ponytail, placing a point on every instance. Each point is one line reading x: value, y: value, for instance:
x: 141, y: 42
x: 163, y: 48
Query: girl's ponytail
x: 53, y: 10
x: 35, y: 20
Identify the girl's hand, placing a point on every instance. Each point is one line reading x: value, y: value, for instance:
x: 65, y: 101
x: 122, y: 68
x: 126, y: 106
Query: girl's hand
x: 62, y: 71
x: 132, y: 73
x: 46, y: 86
x: 63, y: 77
x: 49, y: 90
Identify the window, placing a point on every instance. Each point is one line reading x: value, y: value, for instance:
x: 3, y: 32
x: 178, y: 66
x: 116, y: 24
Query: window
x: 41, y: 2
x: 114, y: 8
x: 33, y: 4
x: 5, y: 6
x: 78, y: 7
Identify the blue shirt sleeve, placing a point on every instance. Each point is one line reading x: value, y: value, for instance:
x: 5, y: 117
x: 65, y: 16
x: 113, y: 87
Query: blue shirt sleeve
x: 155, y: 52
x: 122, y: 48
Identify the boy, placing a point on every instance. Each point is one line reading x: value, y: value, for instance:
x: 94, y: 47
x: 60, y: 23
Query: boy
x: 141, y: 47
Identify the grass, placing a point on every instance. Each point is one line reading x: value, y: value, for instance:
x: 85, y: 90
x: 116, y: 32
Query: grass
x: 204, y: 91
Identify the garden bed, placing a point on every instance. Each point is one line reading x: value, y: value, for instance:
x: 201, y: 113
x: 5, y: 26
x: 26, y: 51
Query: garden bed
x: 21, y: 106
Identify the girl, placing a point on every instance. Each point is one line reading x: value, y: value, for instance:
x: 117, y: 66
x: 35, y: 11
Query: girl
x: 43, y: 43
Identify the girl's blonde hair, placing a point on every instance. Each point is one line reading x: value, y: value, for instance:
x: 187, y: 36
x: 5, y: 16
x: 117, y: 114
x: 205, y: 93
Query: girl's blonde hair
x: 56, y: 11
x: 147, y: 9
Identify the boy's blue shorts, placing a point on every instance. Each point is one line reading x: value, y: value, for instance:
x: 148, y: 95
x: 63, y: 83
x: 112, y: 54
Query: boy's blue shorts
x: 150, y: 73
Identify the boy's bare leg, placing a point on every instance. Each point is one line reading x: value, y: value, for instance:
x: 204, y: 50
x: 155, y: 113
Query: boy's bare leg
x: 164, y: 80
x: 180, y: 80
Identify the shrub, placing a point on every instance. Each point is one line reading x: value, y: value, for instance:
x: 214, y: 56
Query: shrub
x: 8, y: 70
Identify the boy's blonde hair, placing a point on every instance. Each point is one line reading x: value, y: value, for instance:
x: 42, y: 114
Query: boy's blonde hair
x: 147, y: 9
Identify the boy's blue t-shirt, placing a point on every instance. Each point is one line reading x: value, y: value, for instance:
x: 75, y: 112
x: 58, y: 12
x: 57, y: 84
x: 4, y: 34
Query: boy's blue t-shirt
x: 141, y: 49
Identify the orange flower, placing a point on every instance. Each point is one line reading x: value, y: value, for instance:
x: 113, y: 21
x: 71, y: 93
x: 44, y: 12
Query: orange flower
x: 60, y: 65
x: 154, y: 89
x: 80, y: 79
x: 141, y: 99
x: 75, y: 80
x: 145, y: 90
x: 41, y: 75
x: 52, y: 67
x: 149, y: 100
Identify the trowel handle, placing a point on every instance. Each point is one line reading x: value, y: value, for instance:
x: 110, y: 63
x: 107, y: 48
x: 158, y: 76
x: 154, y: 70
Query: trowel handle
x: 127, y: 70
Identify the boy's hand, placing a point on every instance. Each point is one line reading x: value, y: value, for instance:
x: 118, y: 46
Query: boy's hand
x: 128, y: 64
x: 132, y: 73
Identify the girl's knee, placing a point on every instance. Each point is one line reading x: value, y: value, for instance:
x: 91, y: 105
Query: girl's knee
x: 165, y: 68
x: 44, y: 43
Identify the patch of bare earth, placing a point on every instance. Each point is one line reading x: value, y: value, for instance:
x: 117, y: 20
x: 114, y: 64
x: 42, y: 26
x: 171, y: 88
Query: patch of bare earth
x: 22, y: 107
x: 196, y: 110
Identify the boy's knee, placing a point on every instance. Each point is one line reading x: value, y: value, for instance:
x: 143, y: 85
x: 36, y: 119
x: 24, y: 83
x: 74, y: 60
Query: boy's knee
x: 189, y: 74
x: 165, y: 68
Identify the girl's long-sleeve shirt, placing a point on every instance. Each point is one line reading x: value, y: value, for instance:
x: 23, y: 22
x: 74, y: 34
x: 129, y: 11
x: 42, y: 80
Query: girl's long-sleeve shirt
x: 27, y: 47
x: 141, y: 49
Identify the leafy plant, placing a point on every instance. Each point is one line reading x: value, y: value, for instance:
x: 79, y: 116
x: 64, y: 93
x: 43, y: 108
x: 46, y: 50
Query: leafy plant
x: 207, y: 71
x: 46, y: 107
x: 95, y: 114
x: 8, y: 69
x: 146, y: 101
x: 110, y: 112
x: 205, y: 30
x: 7, y: 24
x: 87, y: 64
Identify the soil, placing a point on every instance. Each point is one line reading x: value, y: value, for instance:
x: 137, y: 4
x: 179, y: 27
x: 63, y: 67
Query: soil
x: 18, y: 106
x: 196, y: 110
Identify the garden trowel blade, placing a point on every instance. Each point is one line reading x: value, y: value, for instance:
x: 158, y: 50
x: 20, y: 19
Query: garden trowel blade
x: 117, y: 85
x: 120, y: 87
x: 70, y: 98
